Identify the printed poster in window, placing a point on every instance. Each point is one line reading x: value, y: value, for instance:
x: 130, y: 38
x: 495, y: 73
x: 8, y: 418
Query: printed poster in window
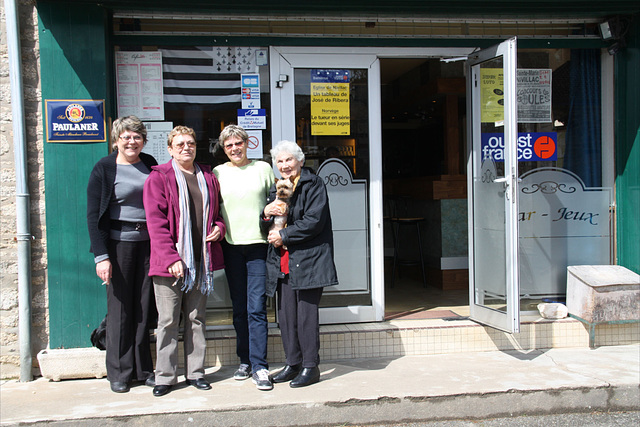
x: 492, y: 95
x: 534, y: 95
x: 139, y: 85
x: 533, y: 89
x: 330, y: 113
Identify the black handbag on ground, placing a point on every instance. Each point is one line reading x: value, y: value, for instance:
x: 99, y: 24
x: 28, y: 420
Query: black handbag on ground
x: 99, y: 335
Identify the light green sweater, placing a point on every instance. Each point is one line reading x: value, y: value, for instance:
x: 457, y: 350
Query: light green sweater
x: 244, y: 192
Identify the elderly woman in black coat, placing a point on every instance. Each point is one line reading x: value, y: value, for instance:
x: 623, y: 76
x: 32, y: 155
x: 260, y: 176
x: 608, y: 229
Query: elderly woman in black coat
x: 299, y: 264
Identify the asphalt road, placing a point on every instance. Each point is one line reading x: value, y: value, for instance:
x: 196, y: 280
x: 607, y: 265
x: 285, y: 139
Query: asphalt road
x: 594, y: 419
x: 201, y: 419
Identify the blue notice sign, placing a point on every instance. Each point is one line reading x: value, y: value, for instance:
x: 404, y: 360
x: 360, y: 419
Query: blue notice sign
x: 75, y: 120
x: 330, y: 76
x: 252, y: 118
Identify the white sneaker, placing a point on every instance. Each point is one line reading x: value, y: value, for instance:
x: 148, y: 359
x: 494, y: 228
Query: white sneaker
x: 242, y: 373
x: 262, y: 380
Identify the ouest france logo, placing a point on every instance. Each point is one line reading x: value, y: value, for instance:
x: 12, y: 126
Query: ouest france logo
x: 532, y: 146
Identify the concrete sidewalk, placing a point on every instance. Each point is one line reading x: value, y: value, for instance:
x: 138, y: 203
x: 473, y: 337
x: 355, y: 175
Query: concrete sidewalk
x: 450, y: 386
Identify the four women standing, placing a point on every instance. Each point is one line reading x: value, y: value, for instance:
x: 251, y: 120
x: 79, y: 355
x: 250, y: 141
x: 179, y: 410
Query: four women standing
x: 189, y: 210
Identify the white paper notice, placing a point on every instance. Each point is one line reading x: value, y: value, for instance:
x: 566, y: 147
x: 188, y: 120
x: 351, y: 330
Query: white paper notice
x: 157, y: 134
x: 534, y: 95
x: 254, y: 151
x: 139, y: 85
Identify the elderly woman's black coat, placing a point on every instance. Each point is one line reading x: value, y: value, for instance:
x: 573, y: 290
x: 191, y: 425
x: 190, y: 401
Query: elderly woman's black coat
x: 308, y: 236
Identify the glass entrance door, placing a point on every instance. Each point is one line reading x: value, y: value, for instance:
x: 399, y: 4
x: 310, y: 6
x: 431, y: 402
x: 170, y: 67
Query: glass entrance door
x: 328, y: 101
x: 492, y: 170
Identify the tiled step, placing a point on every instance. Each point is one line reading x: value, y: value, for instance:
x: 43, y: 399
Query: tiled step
x: 429, y: 336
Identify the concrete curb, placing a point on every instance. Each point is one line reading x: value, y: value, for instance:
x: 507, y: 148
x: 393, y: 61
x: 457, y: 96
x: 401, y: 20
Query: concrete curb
x: 394, y: 410
x: 357, y: 392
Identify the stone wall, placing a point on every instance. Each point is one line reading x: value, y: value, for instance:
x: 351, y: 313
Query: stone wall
x: 9, y: 346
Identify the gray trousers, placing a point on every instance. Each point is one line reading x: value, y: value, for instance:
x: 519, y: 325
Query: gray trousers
x: 170, y: 301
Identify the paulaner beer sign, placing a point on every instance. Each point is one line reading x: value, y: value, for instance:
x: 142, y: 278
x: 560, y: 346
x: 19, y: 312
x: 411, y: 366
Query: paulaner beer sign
x: 75, y: 120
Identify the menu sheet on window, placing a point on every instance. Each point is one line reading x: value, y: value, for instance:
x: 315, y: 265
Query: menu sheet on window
x: 157, y: 135
x: 139, y: 85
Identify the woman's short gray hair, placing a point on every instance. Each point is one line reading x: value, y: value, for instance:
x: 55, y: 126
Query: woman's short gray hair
x: 232, y: 131
x: 287, y: 147
x: 127, y: 123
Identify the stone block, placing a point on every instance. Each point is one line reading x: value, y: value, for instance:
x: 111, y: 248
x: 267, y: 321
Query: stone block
x: 71, y: 363
x: 603, y: 293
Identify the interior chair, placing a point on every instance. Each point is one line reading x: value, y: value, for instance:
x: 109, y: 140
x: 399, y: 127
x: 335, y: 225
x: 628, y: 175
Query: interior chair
x: 402, y: 226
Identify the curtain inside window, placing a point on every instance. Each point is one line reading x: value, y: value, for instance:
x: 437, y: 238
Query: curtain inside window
x: 583, y: 154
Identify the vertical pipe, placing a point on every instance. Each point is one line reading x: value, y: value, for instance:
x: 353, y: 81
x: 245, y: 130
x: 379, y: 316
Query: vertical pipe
x: 22, y: 191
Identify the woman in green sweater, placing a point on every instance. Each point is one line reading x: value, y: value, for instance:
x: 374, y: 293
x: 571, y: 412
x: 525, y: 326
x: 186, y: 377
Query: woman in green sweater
x: 244, y: 187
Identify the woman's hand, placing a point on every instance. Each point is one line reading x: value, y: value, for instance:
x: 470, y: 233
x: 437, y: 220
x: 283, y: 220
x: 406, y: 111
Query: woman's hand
x: 214, y: 235
x: 274, y: 238
x: 274, y: 208
x: 103, y: 270
x: 176, y: 269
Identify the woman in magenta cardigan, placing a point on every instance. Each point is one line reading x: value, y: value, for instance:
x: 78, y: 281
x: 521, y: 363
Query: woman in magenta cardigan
x: 181, y: 199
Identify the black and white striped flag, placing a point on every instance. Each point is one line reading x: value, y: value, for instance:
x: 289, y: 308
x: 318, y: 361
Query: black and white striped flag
x: 205, y: 77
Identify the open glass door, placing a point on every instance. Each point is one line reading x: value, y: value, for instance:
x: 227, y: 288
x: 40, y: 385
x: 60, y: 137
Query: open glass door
x: 492, y: 170
x: 328, y: 101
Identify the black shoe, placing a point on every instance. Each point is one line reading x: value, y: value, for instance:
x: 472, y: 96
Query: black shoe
x: 306, y: 377
x: 119, y: 387
x: 150, y: 382
x: 287, y: 373
x: 243, y: 372
x: 161, y: 390
x: 200, y: 383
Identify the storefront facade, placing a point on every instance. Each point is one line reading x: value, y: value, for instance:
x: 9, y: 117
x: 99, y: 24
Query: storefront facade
x: 394, y: 128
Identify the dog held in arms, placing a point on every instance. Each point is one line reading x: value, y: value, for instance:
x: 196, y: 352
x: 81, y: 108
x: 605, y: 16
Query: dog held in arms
x: 284, y: 191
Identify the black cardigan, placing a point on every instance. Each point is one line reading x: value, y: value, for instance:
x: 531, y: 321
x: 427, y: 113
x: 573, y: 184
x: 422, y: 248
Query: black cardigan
x: 99, y: 193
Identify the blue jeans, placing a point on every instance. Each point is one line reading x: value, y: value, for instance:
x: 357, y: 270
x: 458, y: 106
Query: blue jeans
x: 246, y: 274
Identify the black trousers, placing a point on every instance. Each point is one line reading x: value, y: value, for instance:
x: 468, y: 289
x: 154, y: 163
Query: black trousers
x: 299, y: 323
x: 130, y: 302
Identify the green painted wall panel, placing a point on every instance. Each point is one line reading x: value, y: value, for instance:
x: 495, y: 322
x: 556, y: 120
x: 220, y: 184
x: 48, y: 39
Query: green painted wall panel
x: 73, y: 66
x: 628, y: 150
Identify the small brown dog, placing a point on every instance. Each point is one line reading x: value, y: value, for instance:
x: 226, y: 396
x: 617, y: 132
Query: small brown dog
x: 284, y: 191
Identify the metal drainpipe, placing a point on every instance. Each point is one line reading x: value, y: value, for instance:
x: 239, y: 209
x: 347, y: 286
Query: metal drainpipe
x: 22, y: 191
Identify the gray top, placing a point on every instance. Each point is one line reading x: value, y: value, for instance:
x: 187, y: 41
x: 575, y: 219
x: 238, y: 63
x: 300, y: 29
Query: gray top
x: 126, y: 202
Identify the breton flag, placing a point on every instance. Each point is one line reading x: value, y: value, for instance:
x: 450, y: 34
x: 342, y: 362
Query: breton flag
x: 205, y: 77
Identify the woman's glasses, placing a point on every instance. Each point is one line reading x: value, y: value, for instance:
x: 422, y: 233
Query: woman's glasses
x: 180, y: 145
x: 233, y: 144
x: 127, y: 138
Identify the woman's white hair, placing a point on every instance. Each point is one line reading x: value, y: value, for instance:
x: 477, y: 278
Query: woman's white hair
x: 287, y: 147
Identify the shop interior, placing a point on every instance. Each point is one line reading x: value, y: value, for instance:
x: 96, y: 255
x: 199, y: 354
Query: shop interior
x: 423, y: 133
